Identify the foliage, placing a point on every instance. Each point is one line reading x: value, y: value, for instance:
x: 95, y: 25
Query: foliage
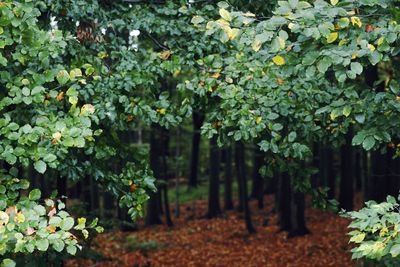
x: 375, y: 233
x: 44, y: 119
x: 296, y: 78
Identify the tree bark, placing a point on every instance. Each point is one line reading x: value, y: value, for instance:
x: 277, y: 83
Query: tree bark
x: 258, y: 181
x: 228, y: 179
x: 346, y: 196
x: 214, y: 209
x: 198, y: 119
x: 298, y: 223
x: 242, y: 183
x: 153, y: 206
x: 284, y: 202
x: 327, y: 171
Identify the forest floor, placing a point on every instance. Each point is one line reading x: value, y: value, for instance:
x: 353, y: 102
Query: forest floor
x: 197, y: 241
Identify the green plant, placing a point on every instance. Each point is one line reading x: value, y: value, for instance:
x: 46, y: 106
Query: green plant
x: 375, y: 233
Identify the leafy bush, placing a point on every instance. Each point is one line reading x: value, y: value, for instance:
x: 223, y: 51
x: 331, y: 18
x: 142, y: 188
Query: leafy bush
x: 376, y: 232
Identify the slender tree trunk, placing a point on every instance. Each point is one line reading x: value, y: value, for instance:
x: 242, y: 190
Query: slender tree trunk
x: 214, y: 209
x: 153, y: 206
x: 393, y: 174
x: 240, y: 194
x: 284, y: 202
x: 327, y: 170
x: 242, y: 183
x: 376, y: 182
x: 298, y: 223
x: 318, y: 163
x: 258, y: 181
x: 165, y: 154
x: 228, y: 179
x: 358, y: 169
x: 62, y: 186
x: 346, y: 196
x: 198, y: 119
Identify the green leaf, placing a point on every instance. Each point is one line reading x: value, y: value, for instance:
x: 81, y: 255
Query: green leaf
x: 347, y: 111
x: 40, y: 166
x: 8, y: 263
x: 358, y: 139
x: 62, y: 77
x: 58, y: 245
x: 395, y: 250
x: 49, y: 157
x: 26, y: 91
x: 71, y: 249
x: 360, y: 118
x: 225, y: 14
x: 310, y: 58
x: 368, y: 143
x: 356, y: 67
x: 324, y: 64
x: 292, y: 136
x: 67, y: 224
x: 42, y: 244
x: 35, y: 194
x: 357, y: 238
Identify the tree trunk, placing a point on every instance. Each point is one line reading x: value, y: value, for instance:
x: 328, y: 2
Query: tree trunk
x: 153, y: 206
x: 376, y: 181
x: 298, y: 223
x: 165, y: 154
x: 228, y: 179
x: 358, y: 169
x: 242, y: 183
x: 327, y: 172
x: 214, y: 209
x: 284, y: 202
x: 198, y: 119
x: 258, y: 181
x: 347, y: 174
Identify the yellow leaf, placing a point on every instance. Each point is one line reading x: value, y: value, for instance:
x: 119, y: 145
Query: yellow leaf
x: 19, y: 218
x: 249, y: 14
x: 281, y: 43
x: 278, y: 60
x: 332, y: 37
x: 291, y: 25
x: 343, y: 42
x: 162, y: 111
x: 356, y: 21
x: 258, y: 120
x: 57, y: 136
x: 334, y: 2
x: 215, y: 75
x: 380, y: 41
x: 87, y: 109
x: 225, y: 14
x: 371, y: 47
x: 165, y: 54
x: 256, y: 45
x: 232, y: 33
x: 351, y: 13
x: 81, y: 221
x: 354, y: 55
x: 3, y: 218
x: 51, y: 229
